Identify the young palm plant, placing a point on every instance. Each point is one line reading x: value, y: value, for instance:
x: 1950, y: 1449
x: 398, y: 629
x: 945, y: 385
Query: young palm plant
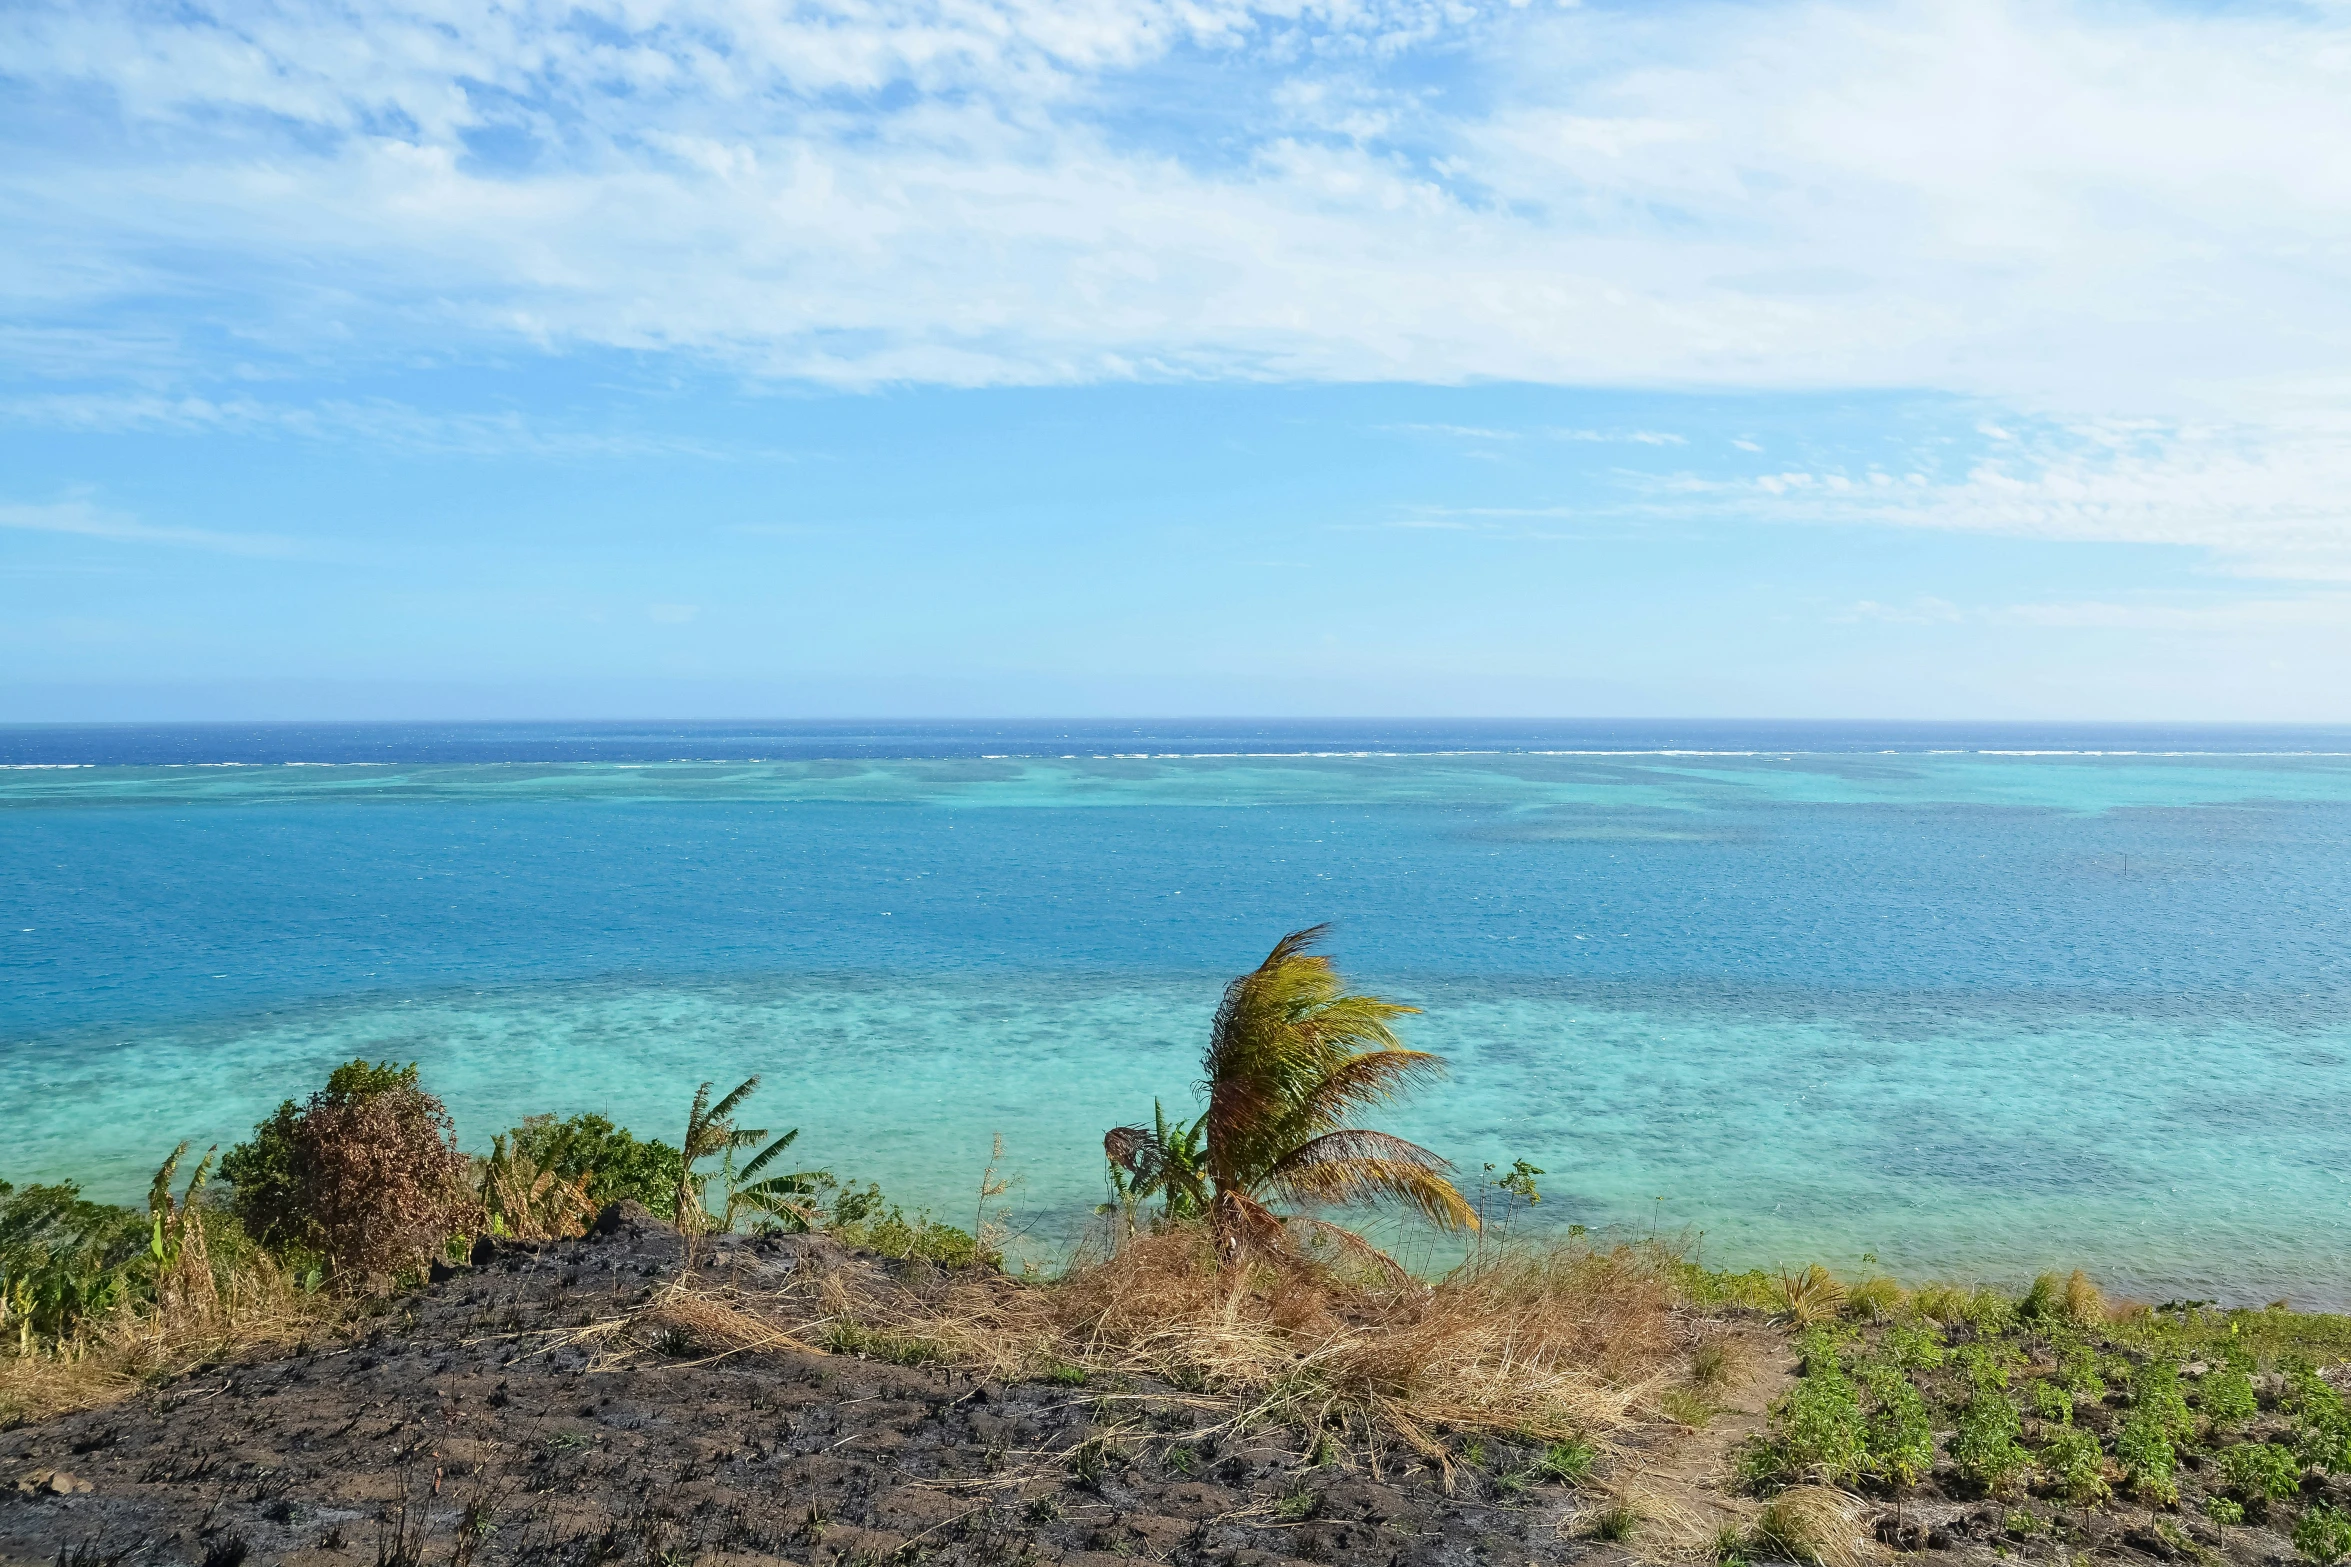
x: 1291, y: 1059
x: 712, y: 1133
x: 1169, y: 1162
x: 789, y: 1200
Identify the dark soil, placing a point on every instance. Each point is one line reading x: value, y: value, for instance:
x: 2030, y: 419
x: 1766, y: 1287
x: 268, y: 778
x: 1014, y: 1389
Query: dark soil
x: 468, y: 1425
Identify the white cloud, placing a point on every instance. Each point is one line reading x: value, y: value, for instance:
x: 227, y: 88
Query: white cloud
x: 377, y: 422
x: 2067, y: 205
x: 80, y: 518
x: 2231, y: 618
x: 2087, y: 215
x: 2269, y: 500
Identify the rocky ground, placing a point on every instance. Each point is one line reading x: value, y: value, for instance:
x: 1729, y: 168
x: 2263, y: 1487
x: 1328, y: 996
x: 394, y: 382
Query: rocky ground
x: 499, y: 1417
x: 487, y: 1420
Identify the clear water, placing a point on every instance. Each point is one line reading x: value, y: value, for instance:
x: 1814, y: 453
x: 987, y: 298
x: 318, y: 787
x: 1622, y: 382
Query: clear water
x: 1936, y: 995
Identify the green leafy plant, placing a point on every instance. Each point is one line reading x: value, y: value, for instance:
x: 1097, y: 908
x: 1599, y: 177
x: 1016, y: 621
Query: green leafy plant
x: 1898, y: 1440
x: 2143, y: 1446
x: 1916, y: 1345
x: 618, y: 1165
x: 2260, y: 1473
x: 2226, y: 1397
x: 63, y: 1259
x: 2323, y: 1534
x: 2224, y: 1510
x: 2049, y: 1401
x: 1984, y: 1442
x: 1171, y: 1165
x: 1817, y: 1433
x: 2076, y: 1465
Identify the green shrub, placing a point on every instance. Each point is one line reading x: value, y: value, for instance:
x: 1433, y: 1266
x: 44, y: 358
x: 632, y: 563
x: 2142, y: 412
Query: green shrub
x: 2260, y: 1473
x: 2323, y: 1534
x: 1986, y: 1366
x: 2226, y: 1397
x: 1817, y: 1433
x: 2077, y: 1370
x: 863, y: 1217
x: 1898, y: 1440
x: 2322, y: 1433
x: 2143, y: 1446
x: 2155, y: 1393
x: 1984, y: 1444
x: 2075, y: 1465
x: 2222, y: 1509
x: 2050, y: 1401
x: 1916, y: 1345
x: 619, y: 1166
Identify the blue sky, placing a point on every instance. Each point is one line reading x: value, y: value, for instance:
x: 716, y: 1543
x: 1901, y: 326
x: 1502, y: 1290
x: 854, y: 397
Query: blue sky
x: 1122, y: 356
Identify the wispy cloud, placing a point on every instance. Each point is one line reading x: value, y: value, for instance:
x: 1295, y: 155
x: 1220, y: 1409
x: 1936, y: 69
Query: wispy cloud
x: 81, y: 518
x: 2265, y: 501
x: 375, y: 422
x: 865, y: 191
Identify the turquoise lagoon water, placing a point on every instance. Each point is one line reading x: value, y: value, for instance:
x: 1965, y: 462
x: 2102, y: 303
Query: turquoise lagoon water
x: 1971, y: 1014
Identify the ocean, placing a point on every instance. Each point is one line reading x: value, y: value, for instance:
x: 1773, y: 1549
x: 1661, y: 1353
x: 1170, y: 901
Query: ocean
x: 1955, y: 1001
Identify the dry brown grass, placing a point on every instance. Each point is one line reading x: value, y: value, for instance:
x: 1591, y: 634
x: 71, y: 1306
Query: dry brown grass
x: 2084, y: 1303
x: 1546, y: 1345
x: 197, y: 1320
x: 1815, y: 1525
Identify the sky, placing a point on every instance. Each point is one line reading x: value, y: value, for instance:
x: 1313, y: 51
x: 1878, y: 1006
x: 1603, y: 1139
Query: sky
x: 456, y: 358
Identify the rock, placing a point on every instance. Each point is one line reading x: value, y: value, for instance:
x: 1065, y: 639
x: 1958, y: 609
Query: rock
x: 63, y: 1484
x: 485, y: 1252
x: 627, y: 1215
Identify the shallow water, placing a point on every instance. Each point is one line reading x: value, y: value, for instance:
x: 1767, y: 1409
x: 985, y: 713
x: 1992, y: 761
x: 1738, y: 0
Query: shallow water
x: 1971, y: 1014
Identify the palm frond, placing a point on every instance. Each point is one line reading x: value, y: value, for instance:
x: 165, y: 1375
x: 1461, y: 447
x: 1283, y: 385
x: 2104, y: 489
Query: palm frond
x: 768, y: 1153
x: 1355, y: 1166
x: 742, y: 1091
x: 159, y: 1195
x: 1375, y: 1077
x: 1136, y: 1150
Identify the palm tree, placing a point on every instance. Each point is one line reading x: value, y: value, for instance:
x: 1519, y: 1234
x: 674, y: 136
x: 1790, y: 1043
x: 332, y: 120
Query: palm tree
x: 712, y: 1133
x: 1290, y: 1060
x: 710, y: 1130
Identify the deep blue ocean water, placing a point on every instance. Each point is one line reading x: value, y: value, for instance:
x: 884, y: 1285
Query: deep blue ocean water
x: 1970, y: 999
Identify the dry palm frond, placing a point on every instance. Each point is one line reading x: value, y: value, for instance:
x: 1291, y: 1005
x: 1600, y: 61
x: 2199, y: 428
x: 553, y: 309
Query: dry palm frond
x: 1562, y: 1345
x: 717, y: 1328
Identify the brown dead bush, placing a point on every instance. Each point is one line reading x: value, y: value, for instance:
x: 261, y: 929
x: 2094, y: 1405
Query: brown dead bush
x: 381, y: 1184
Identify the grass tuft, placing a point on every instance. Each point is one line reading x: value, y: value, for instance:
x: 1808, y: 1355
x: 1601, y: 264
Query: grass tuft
x: 1811, y: 1524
